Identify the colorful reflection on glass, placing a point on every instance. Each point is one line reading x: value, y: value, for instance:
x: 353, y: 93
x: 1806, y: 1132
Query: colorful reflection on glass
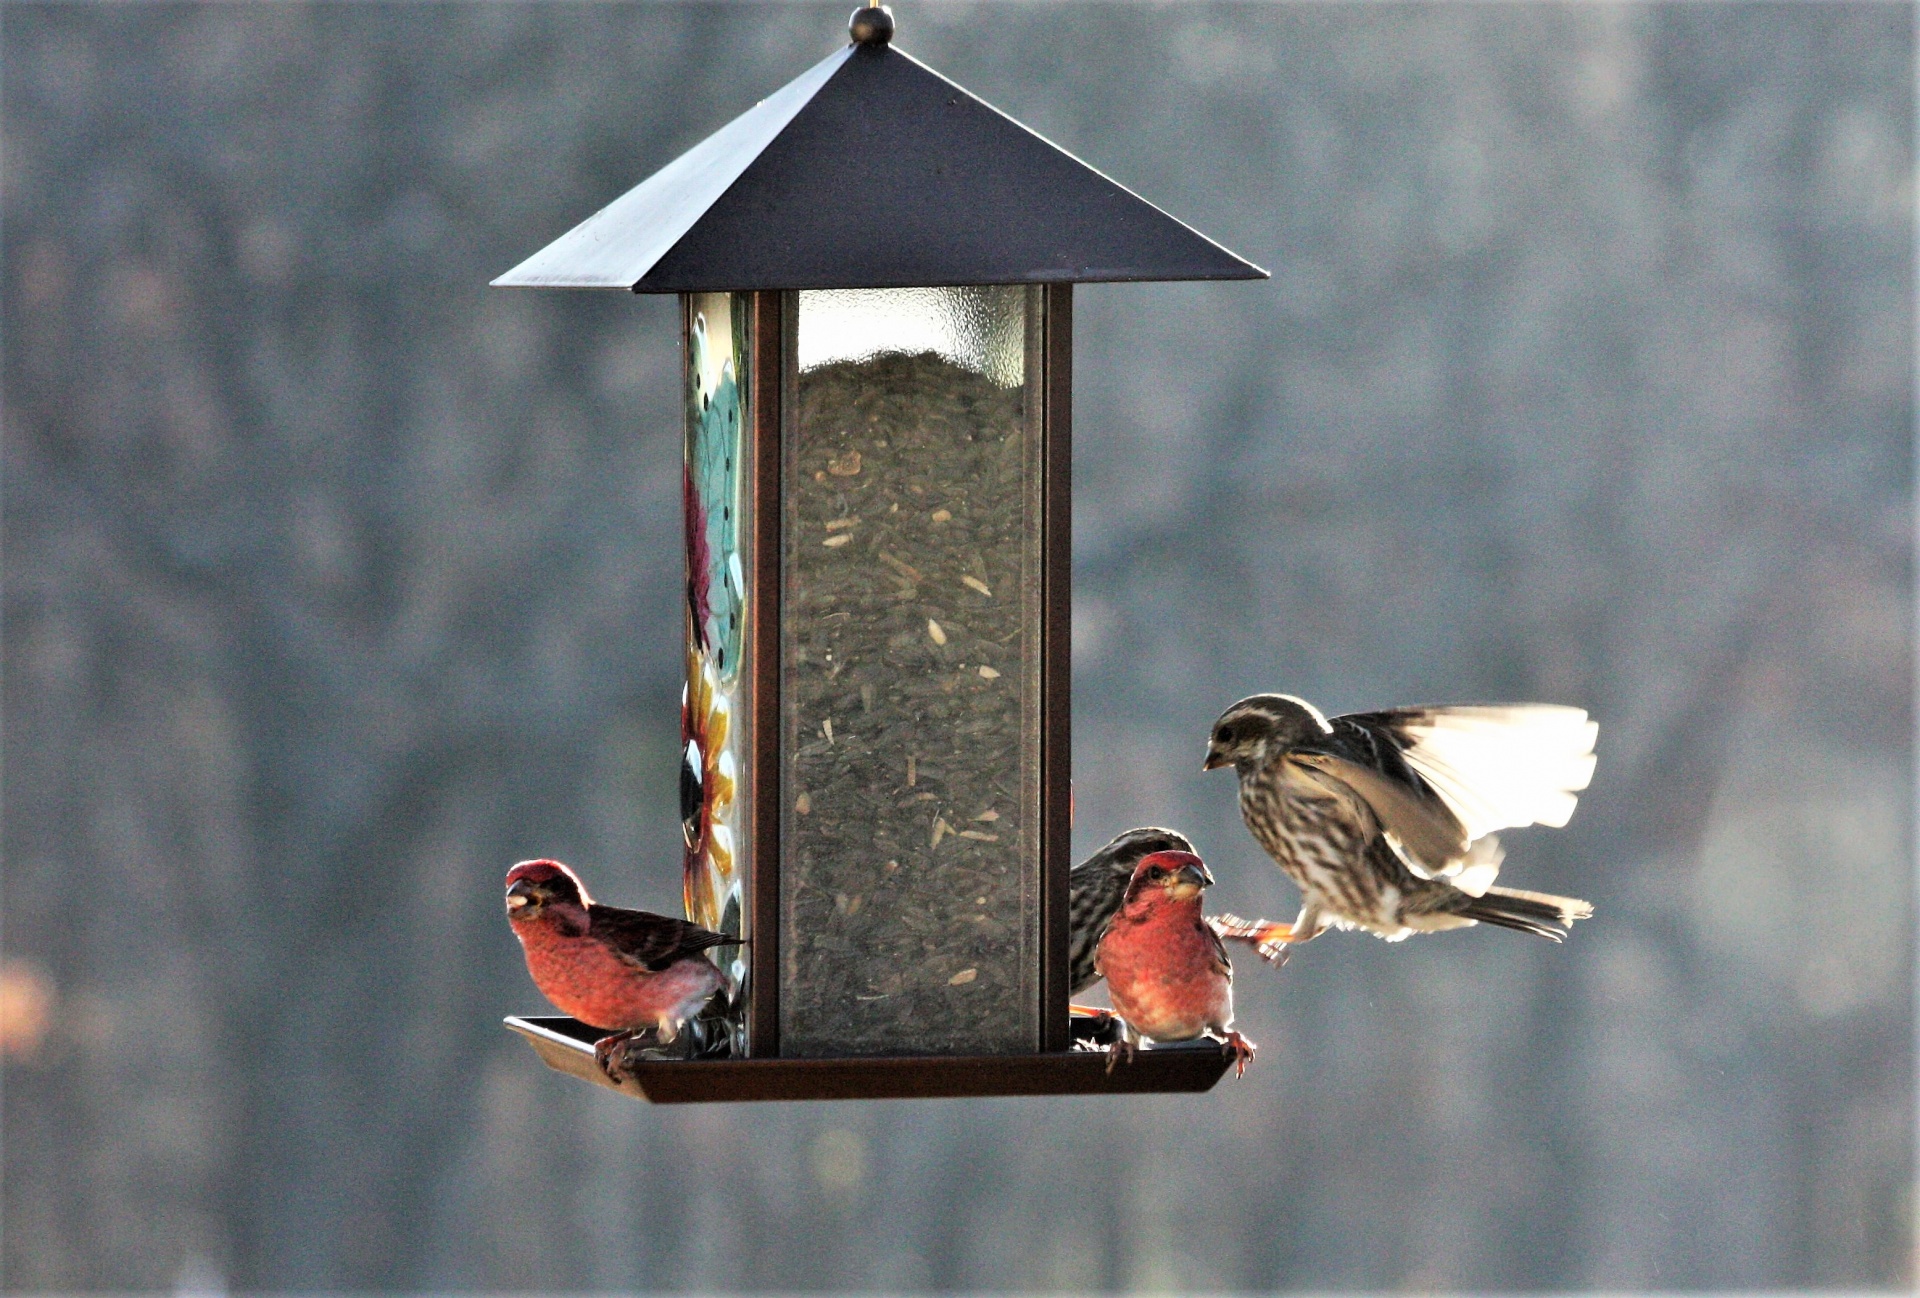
x: 712, y: 711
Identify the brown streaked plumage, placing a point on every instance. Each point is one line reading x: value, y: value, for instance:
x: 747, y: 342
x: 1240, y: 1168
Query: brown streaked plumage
x: 1385, y: 820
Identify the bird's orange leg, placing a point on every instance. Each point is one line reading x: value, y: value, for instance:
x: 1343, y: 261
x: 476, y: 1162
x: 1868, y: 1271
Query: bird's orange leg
x: 1242, y: 1051
x: 1270, y: 941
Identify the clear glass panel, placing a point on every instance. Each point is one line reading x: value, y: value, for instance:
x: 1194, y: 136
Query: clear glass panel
x: 713, y: 712
x: 910, y: 873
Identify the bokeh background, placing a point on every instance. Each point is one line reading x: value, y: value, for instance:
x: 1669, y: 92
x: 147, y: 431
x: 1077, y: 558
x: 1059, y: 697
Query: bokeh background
x: 336, y: 581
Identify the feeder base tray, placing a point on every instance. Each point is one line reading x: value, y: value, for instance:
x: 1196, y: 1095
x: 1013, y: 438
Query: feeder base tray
x: 567, y: 1045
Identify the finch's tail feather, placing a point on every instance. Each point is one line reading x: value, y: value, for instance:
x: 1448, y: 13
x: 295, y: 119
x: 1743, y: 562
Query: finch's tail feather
x: 1528, y: 912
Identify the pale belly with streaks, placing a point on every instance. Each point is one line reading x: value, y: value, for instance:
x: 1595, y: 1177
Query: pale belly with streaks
x: 1320, y: 840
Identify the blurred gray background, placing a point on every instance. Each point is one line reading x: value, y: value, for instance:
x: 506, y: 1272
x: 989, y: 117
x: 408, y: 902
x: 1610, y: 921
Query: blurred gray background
x: 336, y: 581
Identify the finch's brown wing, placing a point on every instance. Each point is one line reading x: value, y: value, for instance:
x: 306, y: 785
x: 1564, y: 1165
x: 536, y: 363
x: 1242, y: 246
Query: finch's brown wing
x: 1221, y: 965
x: 1430, y: 837
x: 651, y: 941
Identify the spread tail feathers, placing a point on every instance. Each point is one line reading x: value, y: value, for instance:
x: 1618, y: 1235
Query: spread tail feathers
x: 1529, y: 912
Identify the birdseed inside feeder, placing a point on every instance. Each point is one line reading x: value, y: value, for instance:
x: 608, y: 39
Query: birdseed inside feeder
x: 875, y: 270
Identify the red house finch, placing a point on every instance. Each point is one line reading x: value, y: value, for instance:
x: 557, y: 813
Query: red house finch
x: 1385, y: 819
x: 1098, y: 885
x: 1165, y: 968
x: 625, y: 971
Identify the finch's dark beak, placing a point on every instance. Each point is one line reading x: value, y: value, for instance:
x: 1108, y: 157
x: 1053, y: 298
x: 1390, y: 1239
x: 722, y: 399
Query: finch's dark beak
x: 519, y: 897
x: 1197, y: 874
x: 1215, y: 760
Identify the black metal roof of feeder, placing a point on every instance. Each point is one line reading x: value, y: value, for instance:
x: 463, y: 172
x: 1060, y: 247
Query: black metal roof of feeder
x: 871, y: 170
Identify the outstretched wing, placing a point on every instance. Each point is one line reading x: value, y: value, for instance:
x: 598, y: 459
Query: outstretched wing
x: 1500, y: 766
x: 651, y: 941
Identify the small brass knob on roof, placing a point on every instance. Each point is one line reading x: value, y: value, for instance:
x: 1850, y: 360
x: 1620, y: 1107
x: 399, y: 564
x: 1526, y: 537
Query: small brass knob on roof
x: 872, y: 25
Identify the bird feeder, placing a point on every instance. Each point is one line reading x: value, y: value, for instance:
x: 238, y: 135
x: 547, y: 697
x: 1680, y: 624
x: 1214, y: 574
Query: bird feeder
x: 875, y: 272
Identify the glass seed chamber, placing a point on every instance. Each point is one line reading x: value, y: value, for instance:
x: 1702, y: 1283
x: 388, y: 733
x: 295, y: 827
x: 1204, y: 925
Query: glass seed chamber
x: 911, y: 887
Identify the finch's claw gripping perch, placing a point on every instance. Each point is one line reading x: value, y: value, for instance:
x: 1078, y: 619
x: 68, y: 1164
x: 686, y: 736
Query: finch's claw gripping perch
x: 613, y: 1051
x: 1272, y: 942
x: 610, y: 1052
x: 1242, y: 1051
x: 1124, y: 1047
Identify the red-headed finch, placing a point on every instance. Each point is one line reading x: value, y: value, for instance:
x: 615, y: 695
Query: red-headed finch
x: 627, y: 972
x: 1097, y: 886
x: 1386, y: 820
x: 1167, y: 973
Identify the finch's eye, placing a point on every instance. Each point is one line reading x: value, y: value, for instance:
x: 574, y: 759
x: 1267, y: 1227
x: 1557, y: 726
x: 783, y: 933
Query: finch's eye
x: 1156, y: 873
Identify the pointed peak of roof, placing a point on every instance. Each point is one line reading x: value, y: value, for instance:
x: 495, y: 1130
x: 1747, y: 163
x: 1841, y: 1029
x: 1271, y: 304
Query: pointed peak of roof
x: 871, y: 170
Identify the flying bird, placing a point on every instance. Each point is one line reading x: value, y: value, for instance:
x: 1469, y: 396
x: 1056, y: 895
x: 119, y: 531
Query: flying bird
x: 1386, y: 820
x: 1166, y: 971
x: 1097, y: 887
x: 626, y: 972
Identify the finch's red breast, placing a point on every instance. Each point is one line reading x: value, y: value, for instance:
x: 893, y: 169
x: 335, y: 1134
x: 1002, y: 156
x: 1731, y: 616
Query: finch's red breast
x: 1166, y: 971
x: 587, y: 979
